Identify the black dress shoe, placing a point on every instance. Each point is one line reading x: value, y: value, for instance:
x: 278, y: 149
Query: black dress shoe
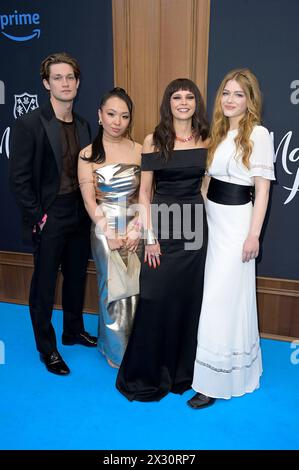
x: 54, y: 363
x: 83, y: 338
x: 200, y: 401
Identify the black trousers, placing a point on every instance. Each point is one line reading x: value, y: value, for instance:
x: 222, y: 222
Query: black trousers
x: 64, y: 242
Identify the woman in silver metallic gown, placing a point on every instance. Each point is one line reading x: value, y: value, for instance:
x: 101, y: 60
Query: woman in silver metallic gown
x: 109, y: 177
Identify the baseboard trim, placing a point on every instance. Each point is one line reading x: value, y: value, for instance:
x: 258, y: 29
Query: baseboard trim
x: 278, y: 299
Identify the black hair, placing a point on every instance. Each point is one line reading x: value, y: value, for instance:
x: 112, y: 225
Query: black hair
x: 164, y: 134
x: 97, y: 147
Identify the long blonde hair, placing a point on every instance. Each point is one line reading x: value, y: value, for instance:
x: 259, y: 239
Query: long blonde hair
x: 220, y: 123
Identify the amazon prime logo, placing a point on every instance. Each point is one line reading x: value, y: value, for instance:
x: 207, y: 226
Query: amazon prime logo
x: 24, y: 104
x: 15, y: 21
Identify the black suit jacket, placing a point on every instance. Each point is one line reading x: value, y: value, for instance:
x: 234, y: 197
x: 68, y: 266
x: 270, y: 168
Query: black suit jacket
x: 36, y: 161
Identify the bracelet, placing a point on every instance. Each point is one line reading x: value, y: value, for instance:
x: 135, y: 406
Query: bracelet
x: 149, y: 237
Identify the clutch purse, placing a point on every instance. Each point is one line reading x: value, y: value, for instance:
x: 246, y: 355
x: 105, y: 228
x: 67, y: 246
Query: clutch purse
x: 123, y: 281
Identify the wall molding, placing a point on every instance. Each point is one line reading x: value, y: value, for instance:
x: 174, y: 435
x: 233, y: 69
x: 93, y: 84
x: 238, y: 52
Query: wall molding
x: 278, y: 299
x: 276, y: 286
x: 278, y: 303
x: 154, y: 42
x: 15, y: 277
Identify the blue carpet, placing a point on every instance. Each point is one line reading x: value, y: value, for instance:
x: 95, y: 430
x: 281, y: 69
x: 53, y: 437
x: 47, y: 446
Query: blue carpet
x: 39, y: 410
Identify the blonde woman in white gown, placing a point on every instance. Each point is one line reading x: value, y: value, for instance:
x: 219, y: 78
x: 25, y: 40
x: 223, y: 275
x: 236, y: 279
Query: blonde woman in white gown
x: 228, y: 359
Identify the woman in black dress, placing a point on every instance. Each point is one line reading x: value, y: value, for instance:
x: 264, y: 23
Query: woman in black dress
x: 160, y: 354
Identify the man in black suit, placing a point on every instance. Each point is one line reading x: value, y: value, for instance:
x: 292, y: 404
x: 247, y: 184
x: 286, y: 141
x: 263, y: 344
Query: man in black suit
x: 43, y: 177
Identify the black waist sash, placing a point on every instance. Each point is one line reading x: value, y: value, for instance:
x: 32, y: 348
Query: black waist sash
x: 230, y: 194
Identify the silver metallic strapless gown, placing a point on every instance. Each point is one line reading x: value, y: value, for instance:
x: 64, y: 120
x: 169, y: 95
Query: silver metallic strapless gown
x: 117, y: 188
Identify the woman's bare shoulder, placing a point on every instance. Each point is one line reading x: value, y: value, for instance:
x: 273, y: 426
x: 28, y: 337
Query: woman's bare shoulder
x: 138, y: 147
x: 148, y: 144
x: 86, y: 151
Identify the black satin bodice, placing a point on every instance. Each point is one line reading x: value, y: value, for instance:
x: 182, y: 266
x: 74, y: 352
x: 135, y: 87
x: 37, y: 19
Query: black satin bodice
x: 177, y: 185
x: 179, y: 178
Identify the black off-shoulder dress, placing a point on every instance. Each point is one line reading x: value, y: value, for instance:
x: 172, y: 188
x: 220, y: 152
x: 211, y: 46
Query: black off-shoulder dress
x: 161, y: 351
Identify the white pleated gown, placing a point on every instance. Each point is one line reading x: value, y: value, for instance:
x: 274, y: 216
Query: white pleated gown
x: 228, y: 359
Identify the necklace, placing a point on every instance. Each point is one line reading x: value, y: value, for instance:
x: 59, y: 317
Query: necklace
x: 186, y: 139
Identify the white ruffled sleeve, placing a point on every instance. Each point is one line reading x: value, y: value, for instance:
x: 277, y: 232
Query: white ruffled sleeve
x: 262, y: 156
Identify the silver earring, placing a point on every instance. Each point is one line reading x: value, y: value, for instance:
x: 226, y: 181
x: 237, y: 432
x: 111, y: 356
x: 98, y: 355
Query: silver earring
x: 100, y: 122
